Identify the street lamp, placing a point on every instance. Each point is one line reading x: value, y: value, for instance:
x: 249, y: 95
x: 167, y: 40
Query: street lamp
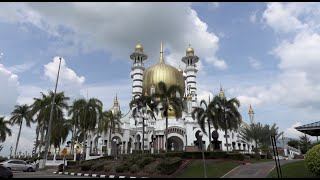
x: 114, y: 154
x: 204, y: 161
x: 48, y: 137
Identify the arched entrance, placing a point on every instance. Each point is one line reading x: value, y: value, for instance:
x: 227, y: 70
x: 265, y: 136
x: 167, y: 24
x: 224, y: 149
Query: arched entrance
x: 176, y: 142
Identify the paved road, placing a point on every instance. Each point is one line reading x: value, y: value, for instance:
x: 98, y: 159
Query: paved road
x: 256, y: 170
x: 39, y: 174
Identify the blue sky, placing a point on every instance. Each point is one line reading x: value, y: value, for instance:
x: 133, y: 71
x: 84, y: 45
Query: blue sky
x: 266, y: 54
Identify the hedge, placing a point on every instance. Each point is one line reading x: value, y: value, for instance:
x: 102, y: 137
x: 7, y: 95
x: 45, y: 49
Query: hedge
x: 168, y: 166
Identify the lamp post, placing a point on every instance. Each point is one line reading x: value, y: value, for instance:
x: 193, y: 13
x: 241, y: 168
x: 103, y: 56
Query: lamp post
x: 48, y: 137
x: 10, y: 151
x: 204, y: 161
x: 114, y: 154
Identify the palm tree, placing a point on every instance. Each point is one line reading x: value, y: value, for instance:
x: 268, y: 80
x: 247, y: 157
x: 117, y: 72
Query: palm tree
x: 143, y: 105
x: 59, y: 136
x: 252, y: 133
x: 75, y: 114
x: 167, y: 98
x: 109, y: 121
x: 19, y: 114
x: 41, y: 109
x: 228, y: 115
x: 90, y: 112
x: 4, y: 130
x: 205, y: 115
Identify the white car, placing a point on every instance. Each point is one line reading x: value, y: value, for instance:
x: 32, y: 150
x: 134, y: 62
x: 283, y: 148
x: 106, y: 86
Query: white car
x: 18, y: 165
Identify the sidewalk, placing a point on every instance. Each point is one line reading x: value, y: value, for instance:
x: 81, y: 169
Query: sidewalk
x: 256, y: 170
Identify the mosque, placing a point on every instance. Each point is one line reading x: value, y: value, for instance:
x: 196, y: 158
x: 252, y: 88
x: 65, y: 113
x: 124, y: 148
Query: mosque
x: 183, y: 133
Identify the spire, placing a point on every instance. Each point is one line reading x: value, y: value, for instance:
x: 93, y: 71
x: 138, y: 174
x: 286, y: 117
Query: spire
x: 161, y: 54
x: 221, y: 94
x: 251, y: 110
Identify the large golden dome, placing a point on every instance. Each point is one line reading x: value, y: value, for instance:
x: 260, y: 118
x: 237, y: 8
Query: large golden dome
x: 162, y: 72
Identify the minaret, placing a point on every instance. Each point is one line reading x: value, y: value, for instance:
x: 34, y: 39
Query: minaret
x: 190, y: 60
x: 138, y: 56
x: 116, y: 106
x: 251, y: 115
x: 221, y: 94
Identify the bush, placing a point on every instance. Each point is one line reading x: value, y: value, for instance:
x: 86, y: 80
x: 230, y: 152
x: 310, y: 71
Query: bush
x: 151, y: 168
x: 123, y: 167
x: 312, y: 160
x: 71, y: 163
x: 236, y: 156
x: 300, y: 156
x: 134, y: 168
x: 108, y: 167
x: 169, y: 165
x: 3, y: 158
x: 98, y: 167
x: 144, y: 161
x: 257, y: 156
x: 86, y: 166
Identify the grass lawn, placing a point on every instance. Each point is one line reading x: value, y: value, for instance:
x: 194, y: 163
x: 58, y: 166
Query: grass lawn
x: 215, y: 169
x: 293, y: 170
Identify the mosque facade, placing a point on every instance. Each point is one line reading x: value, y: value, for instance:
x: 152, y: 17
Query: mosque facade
x: 183, y: 133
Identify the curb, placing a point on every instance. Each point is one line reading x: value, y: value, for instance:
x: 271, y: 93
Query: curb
x: 230, y: 171
x: 95, y: 175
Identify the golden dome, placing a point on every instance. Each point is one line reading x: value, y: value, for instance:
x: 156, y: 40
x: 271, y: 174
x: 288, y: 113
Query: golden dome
x: 251, y: 110
x: 162, y: 72
x: 139, y: 47
x: 115, y: 102
x: 180, y: 70
x: 190, y: 51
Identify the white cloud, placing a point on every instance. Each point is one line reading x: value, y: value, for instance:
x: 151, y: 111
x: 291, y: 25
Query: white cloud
x: 68, y: 81
x: 292, y: 132
x: 9, y: 93
x: 214, y: 4
x: 21, y: 67
x: 255, y: 64
x: 116, y: 27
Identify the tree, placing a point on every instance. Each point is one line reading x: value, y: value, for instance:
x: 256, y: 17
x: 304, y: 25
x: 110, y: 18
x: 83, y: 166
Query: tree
x: 167, y: 98
x: 109, y: 121
x: 143, y: 105
x: 206, y: 115
x: 304, y: 143
x: 19, y: 114
x: 90, y: 112
x: 252, y: 133
x: 41, y: 108
x: 4, y: 130
x: 228, y: 115
x: 293, y: 143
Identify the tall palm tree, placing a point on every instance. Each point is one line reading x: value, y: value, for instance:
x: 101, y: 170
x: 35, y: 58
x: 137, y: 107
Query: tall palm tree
x: 228, y: 115
x: 41, y: 108
x: 143, y: 105
x: 59, y: 136
x: 90, y: 112
x: 75, y: 113
x: 252, y: 133
x: 19, y: 114
x: 4, y: 130
x: 166, y: 98
x: 206, y: 115
x: 109, y: 121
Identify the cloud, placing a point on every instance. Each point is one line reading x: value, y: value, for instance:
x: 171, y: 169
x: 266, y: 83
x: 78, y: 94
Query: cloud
x: 116, y: 27
x: 292, y: 132
x: 68, y: 81
x: 214, y: 4
x: 9, y: 93
x: 21, y: 67
x: 254, y: 63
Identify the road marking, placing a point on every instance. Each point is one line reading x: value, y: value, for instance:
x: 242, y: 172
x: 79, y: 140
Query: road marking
x: 122, y: 177
x: 111, y: 176
x: 86, y: 174
x: 102, y: 176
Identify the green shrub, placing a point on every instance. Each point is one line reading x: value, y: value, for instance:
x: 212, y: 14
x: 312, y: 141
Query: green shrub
x: 151, y: 168
x: 123, y: 167
x: 312, y: 160
x: 257, y: 156
x: 98, y: 167
x: 169, y: 165
x: 144, y: 161
x: 86, y: 166
x: 108, y: 167
x: 71, y: 163
x: 134, y: 168
x: 236, y: 156
x: 3, y: 158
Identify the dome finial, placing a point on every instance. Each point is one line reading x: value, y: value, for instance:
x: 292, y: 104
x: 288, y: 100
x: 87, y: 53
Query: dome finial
x: 139, y: 47
x: 190, y: 51
x: 221, y: 94
x: 161, y: 54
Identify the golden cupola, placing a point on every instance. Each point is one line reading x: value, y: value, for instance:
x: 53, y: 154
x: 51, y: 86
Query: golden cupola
x: 221, y: 94
x: 162, y: 72
x: 139, y: 47
x: 251, y: 110
x: 190, y: 51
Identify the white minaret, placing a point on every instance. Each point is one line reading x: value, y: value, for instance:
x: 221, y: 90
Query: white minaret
x: 191, y: 70
x: 251, y: 115
x: 137, y: 69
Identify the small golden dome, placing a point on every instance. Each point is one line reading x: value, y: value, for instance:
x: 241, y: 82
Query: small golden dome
x: 251, y: 110
x: 221, y: 94
x: 139, y: 47
x: 190, y: 51
x: 116, y: 103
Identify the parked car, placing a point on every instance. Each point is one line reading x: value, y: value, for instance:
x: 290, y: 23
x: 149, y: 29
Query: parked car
x: 5, y: 172
x: 18, y: 165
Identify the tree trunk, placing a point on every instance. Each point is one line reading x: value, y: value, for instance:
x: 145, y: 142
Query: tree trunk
x: 167, y: 144
x: 37, y: 137
x: 210, y: 143
x: 142, y: 135
x: 226, y: 140
x: 15, y: 150
x: 84, y: 145
x: 73, y: 139
x: 110, y: 140
x: 225, y: 120
x: 41, y: 138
